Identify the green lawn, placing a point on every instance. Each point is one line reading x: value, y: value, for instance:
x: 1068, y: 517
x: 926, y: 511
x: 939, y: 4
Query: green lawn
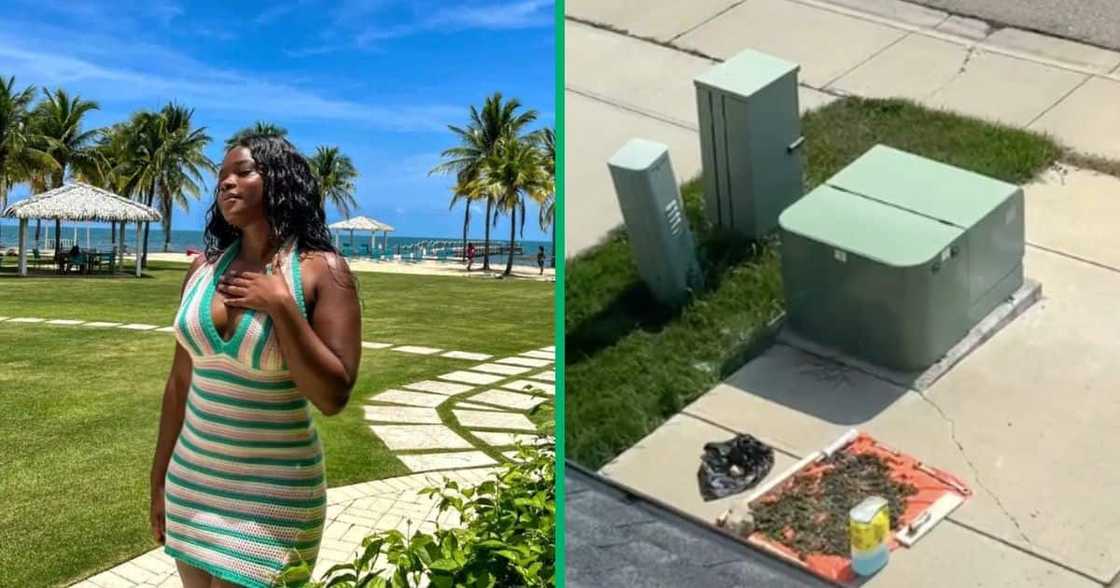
x: 82, y: 405
x: 631, y: 365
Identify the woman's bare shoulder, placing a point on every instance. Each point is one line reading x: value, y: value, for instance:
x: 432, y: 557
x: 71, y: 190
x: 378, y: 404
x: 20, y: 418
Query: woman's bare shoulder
x: 325, y: 269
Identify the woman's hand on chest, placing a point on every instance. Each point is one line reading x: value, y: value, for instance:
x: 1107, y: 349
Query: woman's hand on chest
x: 262, y: 292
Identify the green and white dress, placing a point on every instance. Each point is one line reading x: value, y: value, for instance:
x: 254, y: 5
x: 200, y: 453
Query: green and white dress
x: 245, y: 488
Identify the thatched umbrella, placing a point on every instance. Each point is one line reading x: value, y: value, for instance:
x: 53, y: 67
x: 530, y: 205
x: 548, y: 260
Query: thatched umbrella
x: 364, y: 223
x: 78, y: 202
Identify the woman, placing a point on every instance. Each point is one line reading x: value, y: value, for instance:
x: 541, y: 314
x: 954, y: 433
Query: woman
x: 269, y: 322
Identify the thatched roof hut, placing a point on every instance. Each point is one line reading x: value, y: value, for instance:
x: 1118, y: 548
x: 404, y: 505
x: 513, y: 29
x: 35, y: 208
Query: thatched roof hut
x: 78, y: 202
x: 81, y: 202
x: 364, y: 223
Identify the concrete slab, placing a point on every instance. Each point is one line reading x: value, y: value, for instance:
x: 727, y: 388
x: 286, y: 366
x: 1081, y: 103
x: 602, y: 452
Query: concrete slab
x: 469, y: 378
x: 793, y: 32
x: 504, y: 439
x: 166, y: 330
x: 657, y: 20
x: 402, y: 414
x: 26, y: 319
x: 474, y: 406
x: 810, y: 99
x: 409, y: 437
x: 665, y: 463
x: 594, y: 131
x: 1005, y: 89
x: 895, y: 11
x: 4, y: 318
x: 529, y: 386
x: 410, y: 398
x: 417, y: 349
x: 1037, y: 399
x: 100, y: 324
x: 511, y: 400
x: 913, y: 68
x: 549, y: 355
x: 524, y: 361
x: 1046, y: 47
x: 1070, y: 210
x: 999, y: 317
x: 967, y: 28
x: 549, y: 376
x: 428, y: 462
x: 637, y: 74
x: 375, y: 345
x: 466, y: 355
x: 64, y: 322
x: 138, y: 327
x: 499, y: 368
x: 494, y: 420
x: 1068, y: 122
x: 444, y: 388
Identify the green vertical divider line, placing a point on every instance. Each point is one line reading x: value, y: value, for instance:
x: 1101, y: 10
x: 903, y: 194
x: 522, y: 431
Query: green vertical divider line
x: 559, y: 295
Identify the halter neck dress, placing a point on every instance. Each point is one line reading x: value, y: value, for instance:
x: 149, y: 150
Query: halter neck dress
x: 245, y: 490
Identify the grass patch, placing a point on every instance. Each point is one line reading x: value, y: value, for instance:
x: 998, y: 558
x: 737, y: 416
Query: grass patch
x: 82, y: 405
x: 632, y: 364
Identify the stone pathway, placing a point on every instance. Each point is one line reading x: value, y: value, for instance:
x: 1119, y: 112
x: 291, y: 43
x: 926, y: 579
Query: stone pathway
x: 411, y: 349
x: 423, y: 423
x: 353, y: 512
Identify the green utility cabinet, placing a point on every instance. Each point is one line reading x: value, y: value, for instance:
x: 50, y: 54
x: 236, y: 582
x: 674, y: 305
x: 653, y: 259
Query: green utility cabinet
x: 896, y: 257
x: 654, y: 215
x: 750, y: 134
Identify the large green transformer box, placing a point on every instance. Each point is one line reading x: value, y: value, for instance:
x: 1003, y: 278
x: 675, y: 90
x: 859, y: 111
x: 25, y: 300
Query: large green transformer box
x: 896, y: 257
x: 750, y: 131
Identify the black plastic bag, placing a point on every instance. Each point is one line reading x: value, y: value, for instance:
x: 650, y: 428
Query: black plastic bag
x: 733, y: 466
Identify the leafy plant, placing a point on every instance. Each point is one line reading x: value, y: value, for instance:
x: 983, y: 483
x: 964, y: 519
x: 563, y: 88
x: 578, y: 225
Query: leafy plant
x: 506, y: 537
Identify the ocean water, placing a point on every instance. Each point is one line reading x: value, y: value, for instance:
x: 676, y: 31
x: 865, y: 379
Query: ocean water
x: 100, y: 238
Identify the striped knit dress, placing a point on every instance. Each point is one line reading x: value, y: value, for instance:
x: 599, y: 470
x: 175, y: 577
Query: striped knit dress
x: 245, y: 490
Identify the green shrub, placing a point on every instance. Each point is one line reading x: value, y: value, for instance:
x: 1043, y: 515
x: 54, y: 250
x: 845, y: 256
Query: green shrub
x: 506, y: 537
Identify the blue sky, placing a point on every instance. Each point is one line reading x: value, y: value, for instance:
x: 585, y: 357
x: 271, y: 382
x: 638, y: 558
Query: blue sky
x: 381, y: 79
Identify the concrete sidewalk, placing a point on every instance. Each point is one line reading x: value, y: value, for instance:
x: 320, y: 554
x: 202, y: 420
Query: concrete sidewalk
x: 629, y: 67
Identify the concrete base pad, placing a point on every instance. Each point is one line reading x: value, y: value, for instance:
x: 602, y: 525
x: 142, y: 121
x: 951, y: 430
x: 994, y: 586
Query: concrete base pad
x: 1001, y: 316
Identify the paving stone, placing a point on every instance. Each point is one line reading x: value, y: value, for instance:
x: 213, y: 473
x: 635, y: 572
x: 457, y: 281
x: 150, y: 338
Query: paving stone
x: 497, y: 368
x: 446, y: 461
x: 138, y: 327
x: 410, y: 398
x: 1067, y: 120
x: 401, y: 414
x: 476, y: 406
x: 405, y: 437
x: 530, y: 386
x: 100, y: 324
x: 524, y: 361
x: 3, y: 318
x: 133, y: 572
x: 504, y: 439
x: 494, y: 420
x: 913, y: 68
x: 373, y: 345
x: 540, y: 354
x: 170, y: 329
x: 549, y: 376
x: 466, y: 355
x: 64, y: 322
x: 505, y: 399
x: 470, y: 377
x: 108, y: 579
x: 549, y: 348
x: 444, y: 388
x: 418, y: 350
x: 26, y: 319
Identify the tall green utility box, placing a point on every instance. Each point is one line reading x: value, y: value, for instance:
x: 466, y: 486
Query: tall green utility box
x: 750, y: 134
x: 652, y: 209
x: 896, y: 257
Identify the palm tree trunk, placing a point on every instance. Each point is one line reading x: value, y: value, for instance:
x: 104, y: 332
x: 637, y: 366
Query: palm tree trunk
x: 466, y: 224
x: 147, y: 230
x: 166, y: 225
x: 512, y: 236
x: 486, y: 244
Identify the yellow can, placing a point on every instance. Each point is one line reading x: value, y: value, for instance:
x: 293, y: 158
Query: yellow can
x: 869, y: 525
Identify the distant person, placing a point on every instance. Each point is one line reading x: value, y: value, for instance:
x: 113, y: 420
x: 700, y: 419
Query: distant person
x: 540, y: 259
x: 75, y: 251
x: 470, y: 256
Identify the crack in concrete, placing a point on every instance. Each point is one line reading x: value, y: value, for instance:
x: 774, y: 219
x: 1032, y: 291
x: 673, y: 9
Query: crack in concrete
x: 967, y: 59
x: 975, y: 470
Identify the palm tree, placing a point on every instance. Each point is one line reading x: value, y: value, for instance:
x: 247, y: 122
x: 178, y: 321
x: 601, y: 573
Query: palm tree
x: 20, y: 153
x: 259, y: 128
x: 546, y: 143
x: 515, y: 170
x: 461, y: 192
x: 478, y: 140
x: 58, y: 121
x: 182, y: 163
x: 336, y: 174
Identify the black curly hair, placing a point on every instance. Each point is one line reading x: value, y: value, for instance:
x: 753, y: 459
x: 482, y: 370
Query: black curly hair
x: 293, y: 202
